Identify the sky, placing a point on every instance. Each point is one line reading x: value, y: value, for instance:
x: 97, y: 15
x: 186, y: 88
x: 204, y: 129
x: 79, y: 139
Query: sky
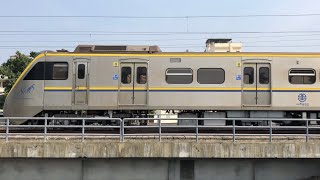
x: 27, y: 34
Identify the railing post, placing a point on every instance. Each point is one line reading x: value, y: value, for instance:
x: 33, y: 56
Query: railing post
x: 120, y: 124
x: 7, y: 130
x: 45, y: 129
x: 270, y: 130
x: 234, y: 130
x: 197, y: 130
x: 307, y: 130
x: 159, y: 129
x: 83, y: 124
x: 122, y: 135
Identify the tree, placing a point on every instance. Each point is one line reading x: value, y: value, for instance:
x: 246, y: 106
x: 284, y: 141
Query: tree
x: 14, y: 67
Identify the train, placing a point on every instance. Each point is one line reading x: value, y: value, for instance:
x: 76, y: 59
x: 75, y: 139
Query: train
x: 133, y: 81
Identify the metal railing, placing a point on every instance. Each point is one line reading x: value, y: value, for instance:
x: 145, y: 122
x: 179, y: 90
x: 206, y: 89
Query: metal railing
x: 123, y: 129
x: 46, y: 129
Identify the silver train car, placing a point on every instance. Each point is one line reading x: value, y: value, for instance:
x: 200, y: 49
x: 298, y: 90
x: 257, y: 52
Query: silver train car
x: 132, y: 81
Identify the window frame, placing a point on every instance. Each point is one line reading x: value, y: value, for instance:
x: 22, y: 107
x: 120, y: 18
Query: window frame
x: 260, y: 75
x: 224, y: 75
x: 44, y: 76
x: 123, y: 78
x: 53, y: 67
x: 138, y: 74
x: 84, y: 73
x: 254, y: 79
x: 178, y: 74
x: 302, y: 75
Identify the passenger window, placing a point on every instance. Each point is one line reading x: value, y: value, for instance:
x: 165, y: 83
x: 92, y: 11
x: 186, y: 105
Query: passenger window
x: 126, y: 75
x: 179, y: 76
x: 264, y: 75
x: 141, y: 75
x: 211, y: 76
x: 302, y: 76
x: 248, y: 73
x: 60, y: 71
x: 81, y: 71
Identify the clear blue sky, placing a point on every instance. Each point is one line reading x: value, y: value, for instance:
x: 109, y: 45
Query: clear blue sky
x: 172, y: 42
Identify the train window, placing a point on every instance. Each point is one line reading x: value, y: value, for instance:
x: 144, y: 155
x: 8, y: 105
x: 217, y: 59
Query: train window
x: 81, y: 71
x: 48, y: 71
x: 126, y: 75
x: 302, y: 76
x: 248, y: 75
x: 36, y: 73
x: 264, y: 75
x: 211, y: 76
x: 60, y: 71
x: 141, y: 75
x: 179, y: 76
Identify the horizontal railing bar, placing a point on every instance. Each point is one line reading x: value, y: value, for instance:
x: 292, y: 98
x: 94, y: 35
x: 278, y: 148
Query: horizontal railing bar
x: 99, y: 118
x: 59, y: 118
x: 244, y: 119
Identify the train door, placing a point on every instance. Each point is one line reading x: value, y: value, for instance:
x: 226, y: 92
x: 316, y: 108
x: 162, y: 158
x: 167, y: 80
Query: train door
x: 81, y: 83
x: 256, y: 89
x: 133, y: 85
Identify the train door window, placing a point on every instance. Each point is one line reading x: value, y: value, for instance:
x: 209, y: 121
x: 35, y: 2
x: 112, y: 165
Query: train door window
x: 179, y: 76
x: 248, y: 75
x: 264, y: 75
x: 81, y: 71
x: 211, y: 76
x: 126, y: 75
x: 60, y: 71
x: 302, y: 76
x: 141, y: 75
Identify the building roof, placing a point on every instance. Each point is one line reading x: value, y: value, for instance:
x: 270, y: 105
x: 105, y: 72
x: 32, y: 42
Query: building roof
x: 218, y: 41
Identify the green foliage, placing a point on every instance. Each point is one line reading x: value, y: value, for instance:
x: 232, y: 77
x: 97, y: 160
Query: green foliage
x: 34, y: 54
x: 14, y: 67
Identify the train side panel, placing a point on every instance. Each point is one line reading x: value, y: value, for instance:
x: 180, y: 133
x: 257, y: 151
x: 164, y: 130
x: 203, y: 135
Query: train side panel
x: 26, y: 97
x: 103, y: 83
x: 195, y: 96
x: 58, y: 90
x: 298, y: 97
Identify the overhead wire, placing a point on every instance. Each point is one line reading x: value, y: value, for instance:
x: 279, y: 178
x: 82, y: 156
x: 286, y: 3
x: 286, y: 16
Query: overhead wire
x: 161, y: 17
x: 146, y: 40
x: 57, y: 32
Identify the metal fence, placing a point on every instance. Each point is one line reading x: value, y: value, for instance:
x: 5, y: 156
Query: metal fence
x: 123, y: 129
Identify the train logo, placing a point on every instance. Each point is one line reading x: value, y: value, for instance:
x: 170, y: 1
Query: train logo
x: 27, y: 89
x: 302, y: 97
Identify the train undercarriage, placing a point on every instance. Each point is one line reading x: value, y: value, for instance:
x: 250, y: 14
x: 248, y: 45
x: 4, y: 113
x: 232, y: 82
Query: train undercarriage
x: 219, y: 118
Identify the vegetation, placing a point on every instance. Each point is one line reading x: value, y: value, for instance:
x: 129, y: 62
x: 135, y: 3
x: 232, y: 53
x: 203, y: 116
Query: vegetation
x: 14, y: 67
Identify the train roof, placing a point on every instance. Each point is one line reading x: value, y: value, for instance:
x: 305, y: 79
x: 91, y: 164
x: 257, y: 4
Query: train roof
x: 154, y: 51
x: 188, y: 54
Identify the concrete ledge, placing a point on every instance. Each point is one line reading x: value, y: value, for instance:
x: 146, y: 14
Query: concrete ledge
x: 154, y: 149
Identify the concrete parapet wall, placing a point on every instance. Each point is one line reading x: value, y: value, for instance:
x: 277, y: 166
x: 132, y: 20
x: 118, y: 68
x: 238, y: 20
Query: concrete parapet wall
x: 145, y: 148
